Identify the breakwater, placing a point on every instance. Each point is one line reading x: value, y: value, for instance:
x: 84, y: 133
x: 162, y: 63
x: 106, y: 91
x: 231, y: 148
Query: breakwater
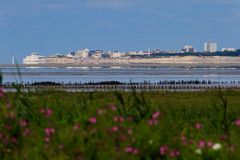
x: 118, y: 86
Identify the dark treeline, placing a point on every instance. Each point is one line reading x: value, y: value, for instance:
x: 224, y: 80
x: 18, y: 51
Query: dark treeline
x: 172, y: 82
x: 156, y: 54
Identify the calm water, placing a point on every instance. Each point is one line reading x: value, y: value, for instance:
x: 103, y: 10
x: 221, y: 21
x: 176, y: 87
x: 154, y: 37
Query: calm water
x: 122, y: 74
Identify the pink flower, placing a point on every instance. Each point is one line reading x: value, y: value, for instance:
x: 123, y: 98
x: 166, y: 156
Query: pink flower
x: 49, y: 131
x: 48, y: 112
x: 14, y: 139
x: 118, y: 119
x: 237, y: 122
x: 174, y: 153
x: 1, y: 92
x: 129, y: 149
x: 114, y: 129
x: 47, y: 139
x: 163, y: 150
x: 115, y: 118
x: 155, y: 115
x: 26, y: 132
x: 101, y: 111
x: 76, y: 127
x: 201, y: 144
x: 112, y: 107
x: 184, y: 140
x: 198, y: 125
x: 135, y: 151
x: 210, y: 144
x: 23, y: 123
x: 152, y: 122
x: 129, y: 131
x: 42, y: 110
x: 92, y: 120
x: 121, y: 119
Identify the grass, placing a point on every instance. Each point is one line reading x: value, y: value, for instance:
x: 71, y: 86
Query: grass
x: 120, y: 125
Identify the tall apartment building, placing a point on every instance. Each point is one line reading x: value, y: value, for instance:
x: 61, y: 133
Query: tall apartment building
x: 210, y: 47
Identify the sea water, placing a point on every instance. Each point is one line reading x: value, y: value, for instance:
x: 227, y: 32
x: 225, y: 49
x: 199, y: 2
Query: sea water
x: 121, y: 74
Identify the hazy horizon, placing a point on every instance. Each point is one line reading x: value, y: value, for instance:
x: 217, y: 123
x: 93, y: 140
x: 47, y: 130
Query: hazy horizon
x: 61, y: 26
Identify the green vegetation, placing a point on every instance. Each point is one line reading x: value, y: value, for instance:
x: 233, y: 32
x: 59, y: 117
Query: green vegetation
x: 120, y: 125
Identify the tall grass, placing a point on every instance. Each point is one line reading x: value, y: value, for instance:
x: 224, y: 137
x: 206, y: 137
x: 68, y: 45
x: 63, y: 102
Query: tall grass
x: 120, y: 125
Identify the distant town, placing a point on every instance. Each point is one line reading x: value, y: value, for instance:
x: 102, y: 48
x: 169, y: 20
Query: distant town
x: 87, y: 56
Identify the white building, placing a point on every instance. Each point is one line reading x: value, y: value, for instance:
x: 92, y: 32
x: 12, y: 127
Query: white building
x: 82, y: 53
x: 97, y: 54
x: 228, y: 49
x: 188, y: 49
x: 115, y: 54
x: 210, y: 47
x: 34, y: 58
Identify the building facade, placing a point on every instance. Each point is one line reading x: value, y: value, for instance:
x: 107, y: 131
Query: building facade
x: 210, y: 47
x: 228, y: 49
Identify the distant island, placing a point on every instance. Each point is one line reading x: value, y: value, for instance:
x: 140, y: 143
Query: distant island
x: 187, y: 55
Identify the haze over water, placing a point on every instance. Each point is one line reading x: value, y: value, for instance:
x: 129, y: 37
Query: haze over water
x: 121, y: 74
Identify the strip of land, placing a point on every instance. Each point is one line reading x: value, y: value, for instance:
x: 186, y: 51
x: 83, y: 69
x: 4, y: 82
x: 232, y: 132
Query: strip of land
x: 173, y: 61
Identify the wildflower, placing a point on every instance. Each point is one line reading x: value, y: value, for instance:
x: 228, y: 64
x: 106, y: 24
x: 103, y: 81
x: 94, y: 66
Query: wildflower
x: 129, y: 131
x: 42, y: 110
x: 14, y: 139
x: 48, y: 112
x: 23, y: 123
x: 152, y: 122
x: 155, y: 115
x: 121, y: 119
x: 26, y: 132
x: 101, y: 111
x: 76, y: 127
x: 174, y: 153
x: 114, y: 129
x: 92, y: 120
x: 201, y: 144
x: 115, y: 118
x: 163, y: 150
x: 118, y: 119
x: 184, y: 139
x: 237, y: 122
x: 129, y: 149
x: 49, y: 131
x: 47, y: 139
x: 135, y: 151
x: 216, y: 146
x: 209, y: 144
x: 198, y: 125
x: 198, y: 151
x: 112, y: 107
x: 1, y: 92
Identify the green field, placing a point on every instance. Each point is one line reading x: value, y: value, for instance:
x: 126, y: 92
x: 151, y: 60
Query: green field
x: 120, y: 125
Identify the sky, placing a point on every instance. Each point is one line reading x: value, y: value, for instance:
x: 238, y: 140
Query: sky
x: 62, y: 26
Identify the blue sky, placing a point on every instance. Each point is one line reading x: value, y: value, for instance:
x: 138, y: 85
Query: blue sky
x: 48, y: 26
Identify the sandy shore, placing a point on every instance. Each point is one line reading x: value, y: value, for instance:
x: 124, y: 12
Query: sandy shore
x: 191, y: 61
